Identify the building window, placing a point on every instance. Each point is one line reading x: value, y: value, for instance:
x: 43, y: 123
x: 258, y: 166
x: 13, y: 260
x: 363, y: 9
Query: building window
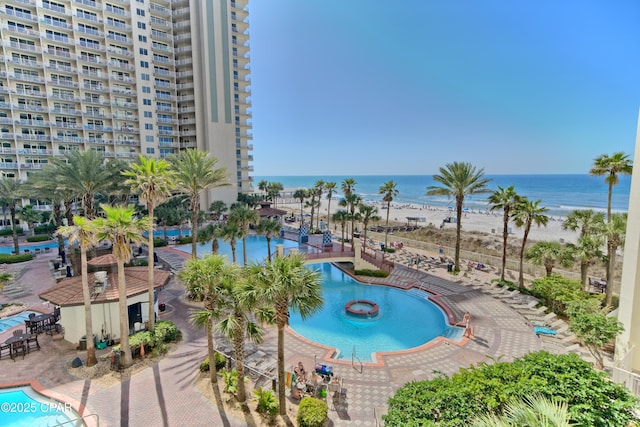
x: 142, y: 25
x: 148, y: 126
x: 148, y: 114
x: 144, y: 76
x: 144, y: 64
x: 149, y: 138
x: 142, y: 39
x: 140, y: 12
x: 146, y: 89
x: 146, y: 101
x: 151, y: 150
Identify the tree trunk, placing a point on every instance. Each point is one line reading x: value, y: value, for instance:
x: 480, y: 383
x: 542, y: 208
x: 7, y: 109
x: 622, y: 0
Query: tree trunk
x: 329, y: 214
x: 244, y: 251
x: 150, y: 266
x: 268, y: 246
x: 194, y: 226
x: 233, y: 250
x: 86, y: 299
x: 459, y: 202
x: 124, y: 316
x: 611, y: 252
x: 386, y: 231
x: 213, y: 373
x: 282, y: 402
x: 16, y: 245
x: 238, y: 344
x: 584, y: 265
x: 524, y: 243
x: 505, y: 235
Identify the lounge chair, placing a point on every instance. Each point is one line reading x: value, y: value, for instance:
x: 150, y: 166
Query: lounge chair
x: 539, y: 323
x: 544, y: 331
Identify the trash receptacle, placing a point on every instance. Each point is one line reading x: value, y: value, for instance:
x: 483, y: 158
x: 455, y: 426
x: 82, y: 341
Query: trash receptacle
x: 82, y: 344
x: 450, y: 267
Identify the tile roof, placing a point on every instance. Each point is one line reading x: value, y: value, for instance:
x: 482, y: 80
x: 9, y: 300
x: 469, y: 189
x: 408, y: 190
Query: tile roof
x: 68, y: 292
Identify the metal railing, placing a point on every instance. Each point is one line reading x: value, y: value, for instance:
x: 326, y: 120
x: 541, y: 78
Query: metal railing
x: 621, y: 375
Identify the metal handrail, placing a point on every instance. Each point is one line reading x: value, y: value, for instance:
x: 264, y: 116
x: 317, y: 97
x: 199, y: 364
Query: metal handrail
x: 82, y: 420
x: 353, y: 359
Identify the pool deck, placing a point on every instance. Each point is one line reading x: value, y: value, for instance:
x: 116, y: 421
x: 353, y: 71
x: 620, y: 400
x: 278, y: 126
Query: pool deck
x: 164, y: 394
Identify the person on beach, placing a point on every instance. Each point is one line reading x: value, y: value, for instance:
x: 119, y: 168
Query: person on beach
x: 418, y: 261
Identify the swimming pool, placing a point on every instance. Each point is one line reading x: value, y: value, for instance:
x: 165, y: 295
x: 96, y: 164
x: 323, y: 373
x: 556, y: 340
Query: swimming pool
x: 406, y: 319
x: 42, y: 246
x: 256, y: 248
x: 22, y: 406
x: 15, y: 320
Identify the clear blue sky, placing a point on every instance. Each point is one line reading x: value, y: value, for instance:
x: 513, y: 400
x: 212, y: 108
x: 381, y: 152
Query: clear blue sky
x: 383, y: 87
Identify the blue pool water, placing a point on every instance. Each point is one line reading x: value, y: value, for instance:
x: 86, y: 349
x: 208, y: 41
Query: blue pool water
x: 159, y: 233
x: 42, y: 246
x: 256, y: 248
x: 22, y: 406
x: 15, y: 320
x: 406, y: 319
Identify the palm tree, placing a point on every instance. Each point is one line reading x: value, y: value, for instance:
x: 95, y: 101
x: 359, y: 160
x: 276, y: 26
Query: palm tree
x: 591, y: 226
x: 237, y: 323
x: 201, y: 278
x: 550, y: 254
x: 270, y: 228
x: 342, y: 217
x: 209, y: 234
x: 122, y: 228
x: 614, y: 231
x: 84, y: 233
x: 31, y: 217
x: 504, y: 199
x: 243, y: 216
x: 218, y: 208
x: 526, y: 213
x: 318, y: 189
x: 165, y: 215
x: 330, y: 188
x: 86, y: 174
x: 368, y: 213
x: 230, y: 232
x: 301, y: 194
x: 536, y: 410
x: 388, y: 191
x: 612, y: 166
x: 11, y: 190
x: 459, y: 180
x: 153, y: 181
x: 273, y: 192
x: 285, y: 283
x: 195, y: 172
x: 351, y: 201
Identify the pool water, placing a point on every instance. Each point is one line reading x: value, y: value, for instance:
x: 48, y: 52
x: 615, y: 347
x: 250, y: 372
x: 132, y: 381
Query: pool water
x: 42, y: 246
x: 406, y: 319
x: 15, y: 320
x: 22, y: 406
x: 256, y: 248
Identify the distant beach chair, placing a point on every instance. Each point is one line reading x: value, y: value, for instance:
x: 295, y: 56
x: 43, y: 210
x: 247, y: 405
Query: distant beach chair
x: 544, y: 331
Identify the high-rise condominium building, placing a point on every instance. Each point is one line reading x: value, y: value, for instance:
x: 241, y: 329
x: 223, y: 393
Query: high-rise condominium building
x: 125, y: 77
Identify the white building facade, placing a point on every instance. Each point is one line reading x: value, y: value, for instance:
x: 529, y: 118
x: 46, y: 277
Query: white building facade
x: 126, y: 77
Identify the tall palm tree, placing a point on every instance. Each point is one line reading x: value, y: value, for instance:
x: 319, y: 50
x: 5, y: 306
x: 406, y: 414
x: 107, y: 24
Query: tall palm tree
x: 330, y: 188
x: 31, y: 217
x: 368, y: 213
x: 243, y: 216
x: 285, y: 283
x: 230, y: 232
x: 301, y: 194
x: 12, y: 190
x: 351, y: 202
x: 237, y: 322
x: 273, y: 192
x: 209, y: 234
x: 84, y: 233
x: 591, y: 227
x: 459, y: 180
x: 152, y: 179
x: 318, y: 189
x: 195, y: 172
x: 526, y: 213
x: 614, y: 231
x: 536, y: 410
x: 218, y: 208
x: 201, y: 278
x: 341, y: 217
x: 612, y: 167
x: 504, y: 199
x: 388, y: 191
x: 86, y: 174
x: 270, y: 228
x: 121, y: 227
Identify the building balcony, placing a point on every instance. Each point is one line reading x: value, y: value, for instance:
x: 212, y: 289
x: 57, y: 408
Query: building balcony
x: 22, y: 46
x: 108, y: 9
x: 35, y: 93
x: 20, y: 16
x: 53, y: 8
x: 7, y: 150
x: 65, y: 83
x: 8, y: 166
x: 28, y: 137
x: 60, y: 53
x: 24, y: 62
x: 66, y: 125
x: 88, y: 3
x: 62, y: 68
x: 159, y: 35
x: 120, y: 39
x: 160, y: 22
x: 87, y: 17
x: 38, y: 123
x: 92, y: 59
x: 92, y: 46
x: 65, y: 111
x: 34, y: 151
x: 94, y: 74
x: 126, y: 142
x: 159, y: 10
x: 29, y: 107
x: 120, y: 52
x: 55, y: 24
x: 66, y: 138
x: 27, y: 32
x: 7, y: 135
x: 121, y: 65
x: 32, y: 165
x: 89, y: 31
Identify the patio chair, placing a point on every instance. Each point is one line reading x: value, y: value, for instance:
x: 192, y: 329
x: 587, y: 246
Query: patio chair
x: 17, y: 348
x: 5, y: 350
x: 32, y: 342
x: 544, y: 331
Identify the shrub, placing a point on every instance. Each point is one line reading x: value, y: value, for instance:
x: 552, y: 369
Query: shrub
x: 389, y: 250
x: 8, y: 231
x: 221, y: 363
x: 39, y: 238
x: 184, y: 240
x: 166, y: 330
x: 556, y: 292
x: 312, y: 412
x: 139, y: 262
x: 593, y: 399
x: 371, y: 273
x: 158, y: 243
x: 45, y: 229
x: 230, y: 381
x: 267, y: 402
x: 12, y: 259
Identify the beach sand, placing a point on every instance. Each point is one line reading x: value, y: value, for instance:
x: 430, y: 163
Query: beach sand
x: 491, y: 223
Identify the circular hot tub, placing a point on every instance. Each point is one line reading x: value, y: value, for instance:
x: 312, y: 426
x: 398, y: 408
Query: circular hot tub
x: 362, y: 308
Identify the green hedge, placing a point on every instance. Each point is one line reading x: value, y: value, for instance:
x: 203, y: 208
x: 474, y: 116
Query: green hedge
x: 556, y: 292
x: 371, y: 273
x: 158, y: 243
x: 9, y: 232
x: 39, y: 238
x: 45, y: 229
x: 12, y: 259
x: 184, y: 240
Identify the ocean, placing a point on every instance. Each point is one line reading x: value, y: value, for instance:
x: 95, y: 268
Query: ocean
x: 560, y: 194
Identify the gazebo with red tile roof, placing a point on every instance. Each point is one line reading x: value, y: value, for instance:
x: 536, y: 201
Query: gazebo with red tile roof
x: 104, y: 300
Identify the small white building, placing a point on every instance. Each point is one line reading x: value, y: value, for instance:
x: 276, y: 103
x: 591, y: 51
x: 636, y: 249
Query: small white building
x: 104, y: 301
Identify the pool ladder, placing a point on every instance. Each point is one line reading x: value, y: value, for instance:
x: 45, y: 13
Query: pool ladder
x: 353, y: 361
x: 80, y: 420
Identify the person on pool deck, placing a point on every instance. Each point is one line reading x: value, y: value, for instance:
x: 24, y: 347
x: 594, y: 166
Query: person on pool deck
x: 468, y: 329
x: 300, y: 372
